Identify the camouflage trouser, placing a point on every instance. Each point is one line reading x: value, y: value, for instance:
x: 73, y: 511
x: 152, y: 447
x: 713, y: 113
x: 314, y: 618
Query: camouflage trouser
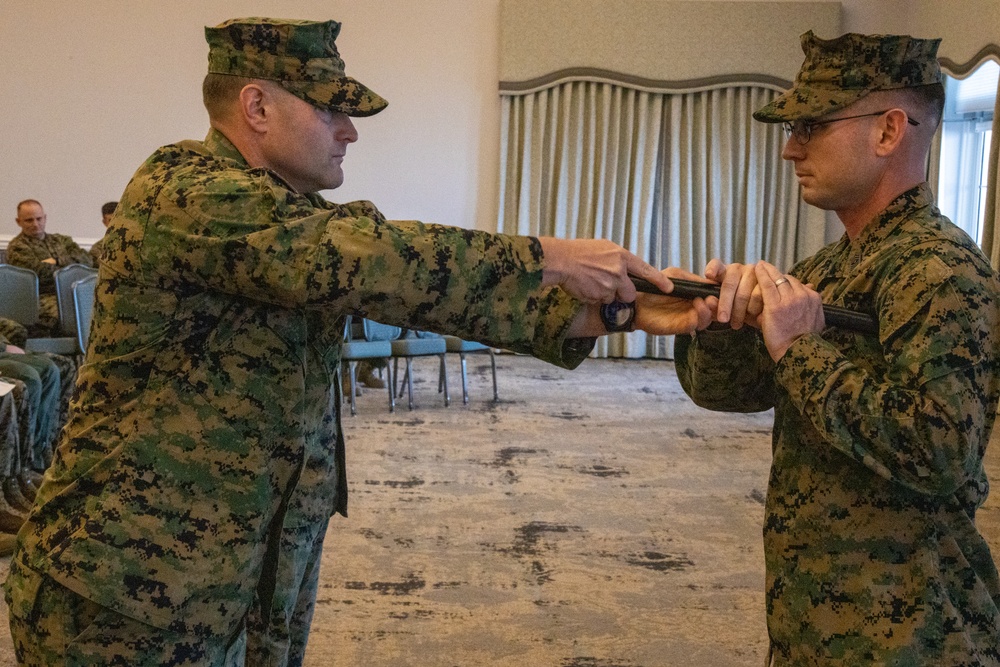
x: 48, y: 318
x: 277, y: 637
x: 51, y: 625
x: 10, y: 438
x: 14, y: 332
x: 43, y: 379
x: 67, y: 382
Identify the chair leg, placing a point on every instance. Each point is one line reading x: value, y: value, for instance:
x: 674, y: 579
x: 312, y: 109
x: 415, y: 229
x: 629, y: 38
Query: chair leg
x: 465, y: 388
x: 409, y: 382
x: 392, y: 390
x: 396, y: 375
x: 352, y: 368
x: 493, y: 365
x: 444, y: 376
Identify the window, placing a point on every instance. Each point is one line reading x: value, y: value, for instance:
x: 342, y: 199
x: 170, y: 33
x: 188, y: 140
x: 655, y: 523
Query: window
x: 966, y: 133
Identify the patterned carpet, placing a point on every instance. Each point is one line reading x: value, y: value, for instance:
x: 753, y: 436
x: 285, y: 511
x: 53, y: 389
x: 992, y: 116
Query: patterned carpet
x: 592, y: 518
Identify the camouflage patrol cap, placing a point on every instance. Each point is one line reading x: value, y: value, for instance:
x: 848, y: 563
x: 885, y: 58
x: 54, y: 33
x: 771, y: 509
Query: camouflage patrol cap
x: 838, y: 72
x: 300, y: 55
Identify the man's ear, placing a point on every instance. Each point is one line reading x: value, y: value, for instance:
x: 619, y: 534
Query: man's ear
x: 892, y: 127
x: 253, y: 106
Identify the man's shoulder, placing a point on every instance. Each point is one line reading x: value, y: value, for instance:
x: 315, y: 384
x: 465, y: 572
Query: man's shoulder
x: 64, y: 239
x: 20, y: 240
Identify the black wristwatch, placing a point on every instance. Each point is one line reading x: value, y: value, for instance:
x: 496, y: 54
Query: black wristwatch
x: 618, y: 316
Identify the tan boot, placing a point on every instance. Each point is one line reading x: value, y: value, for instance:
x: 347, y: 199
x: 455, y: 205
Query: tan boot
x: 15, y: 498
x: 28, y: 488
x: 367, y: 377
x: 11, y: 519
x: 7, y: 541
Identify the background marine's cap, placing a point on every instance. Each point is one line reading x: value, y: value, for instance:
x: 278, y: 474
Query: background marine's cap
x: 840, y: 71
x: 300, y: 55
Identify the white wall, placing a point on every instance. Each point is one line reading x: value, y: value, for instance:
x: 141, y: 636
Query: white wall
x: 91, y: 88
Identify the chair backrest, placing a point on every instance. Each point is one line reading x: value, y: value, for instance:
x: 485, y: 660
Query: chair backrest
x: 18, y: 294
x: 64, y: 279
x: 84, y: 295
x: 379, y: 331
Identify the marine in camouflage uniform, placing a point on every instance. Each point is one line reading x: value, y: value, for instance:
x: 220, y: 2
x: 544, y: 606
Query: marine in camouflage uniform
x: 97, y: 249
x: 30, y: 252
x: 183, y: 517
x: 871, y: 549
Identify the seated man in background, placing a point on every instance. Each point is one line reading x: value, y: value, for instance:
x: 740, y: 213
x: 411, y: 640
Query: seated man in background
x: 107, y: 212
x: 43, y: 253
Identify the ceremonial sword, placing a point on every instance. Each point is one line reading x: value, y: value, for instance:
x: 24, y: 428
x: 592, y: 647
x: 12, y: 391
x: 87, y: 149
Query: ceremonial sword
x: 689, y: 289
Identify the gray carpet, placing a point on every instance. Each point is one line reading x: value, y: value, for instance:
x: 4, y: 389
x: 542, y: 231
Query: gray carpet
x: 592, y: 518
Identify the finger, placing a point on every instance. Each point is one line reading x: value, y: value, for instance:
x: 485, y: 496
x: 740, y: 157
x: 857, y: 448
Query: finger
x: 744, y: 298
x: 640, y: 269
x: 715, y: 270
x: 705, y: 311
x: 677, y: 272
x: 767, y: 277
x: 731, y: 278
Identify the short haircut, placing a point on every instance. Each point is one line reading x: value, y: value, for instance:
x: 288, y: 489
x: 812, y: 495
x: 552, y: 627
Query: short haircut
x: 924, y: 104
x: 219, y: 91
x: 109, y: 207
x: 25, y: 203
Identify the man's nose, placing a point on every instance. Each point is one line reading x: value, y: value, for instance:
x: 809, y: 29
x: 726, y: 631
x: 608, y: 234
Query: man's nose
x: 344, y: 129
x: 793, y: 150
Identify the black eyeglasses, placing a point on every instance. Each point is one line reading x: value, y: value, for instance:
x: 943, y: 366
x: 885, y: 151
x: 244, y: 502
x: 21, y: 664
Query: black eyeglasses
x: 802, y: 129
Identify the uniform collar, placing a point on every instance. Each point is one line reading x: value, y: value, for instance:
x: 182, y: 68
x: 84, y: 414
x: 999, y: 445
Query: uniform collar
x: 883, y: 225
x: 218, y: 144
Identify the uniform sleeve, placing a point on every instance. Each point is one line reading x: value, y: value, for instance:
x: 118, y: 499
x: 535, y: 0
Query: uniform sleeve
x: 246, y: 237
x: 923, y: 422
x: 726, y: 370
x: 72, y: 253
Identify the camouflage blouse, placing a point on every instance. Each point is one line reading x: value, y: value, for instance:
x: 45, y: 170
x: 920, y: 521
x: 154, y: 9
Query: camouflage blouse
x: 30, y: 253
x: 871, y: 548
x: 208, y: 393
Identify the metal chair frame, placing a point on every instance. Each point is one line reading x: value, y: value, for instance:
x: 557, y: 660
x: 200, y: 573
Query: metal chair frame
x: 377, y: 344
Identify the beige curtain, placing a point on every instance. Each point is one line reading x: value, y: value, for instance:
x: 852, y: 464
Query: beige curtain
x: 724, y: 190
x: 579, y: 160
x: 677, y: 178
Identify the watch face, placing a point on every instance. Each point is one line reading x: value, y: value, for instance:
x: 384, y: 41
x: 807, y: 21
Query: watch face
x: 618, y: 316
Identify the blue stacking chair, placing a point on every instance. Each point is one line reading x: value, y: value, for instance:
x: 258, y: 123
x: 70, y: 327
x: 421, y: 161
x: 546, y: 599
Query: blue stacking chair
x: 65, y: 278
x: 463, y: 347
x: 84, y: 295
x: 19, y: 302
x: 376, y: 343
x: 420, y: 344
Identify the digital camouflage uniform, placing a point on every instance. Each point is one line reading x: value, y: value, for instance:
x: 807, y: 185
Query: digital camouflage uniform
x: 29, y: 252
x: 96, y: 251
x: 872, y: 556
x: 871, y: 549
x: 203, y: 458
